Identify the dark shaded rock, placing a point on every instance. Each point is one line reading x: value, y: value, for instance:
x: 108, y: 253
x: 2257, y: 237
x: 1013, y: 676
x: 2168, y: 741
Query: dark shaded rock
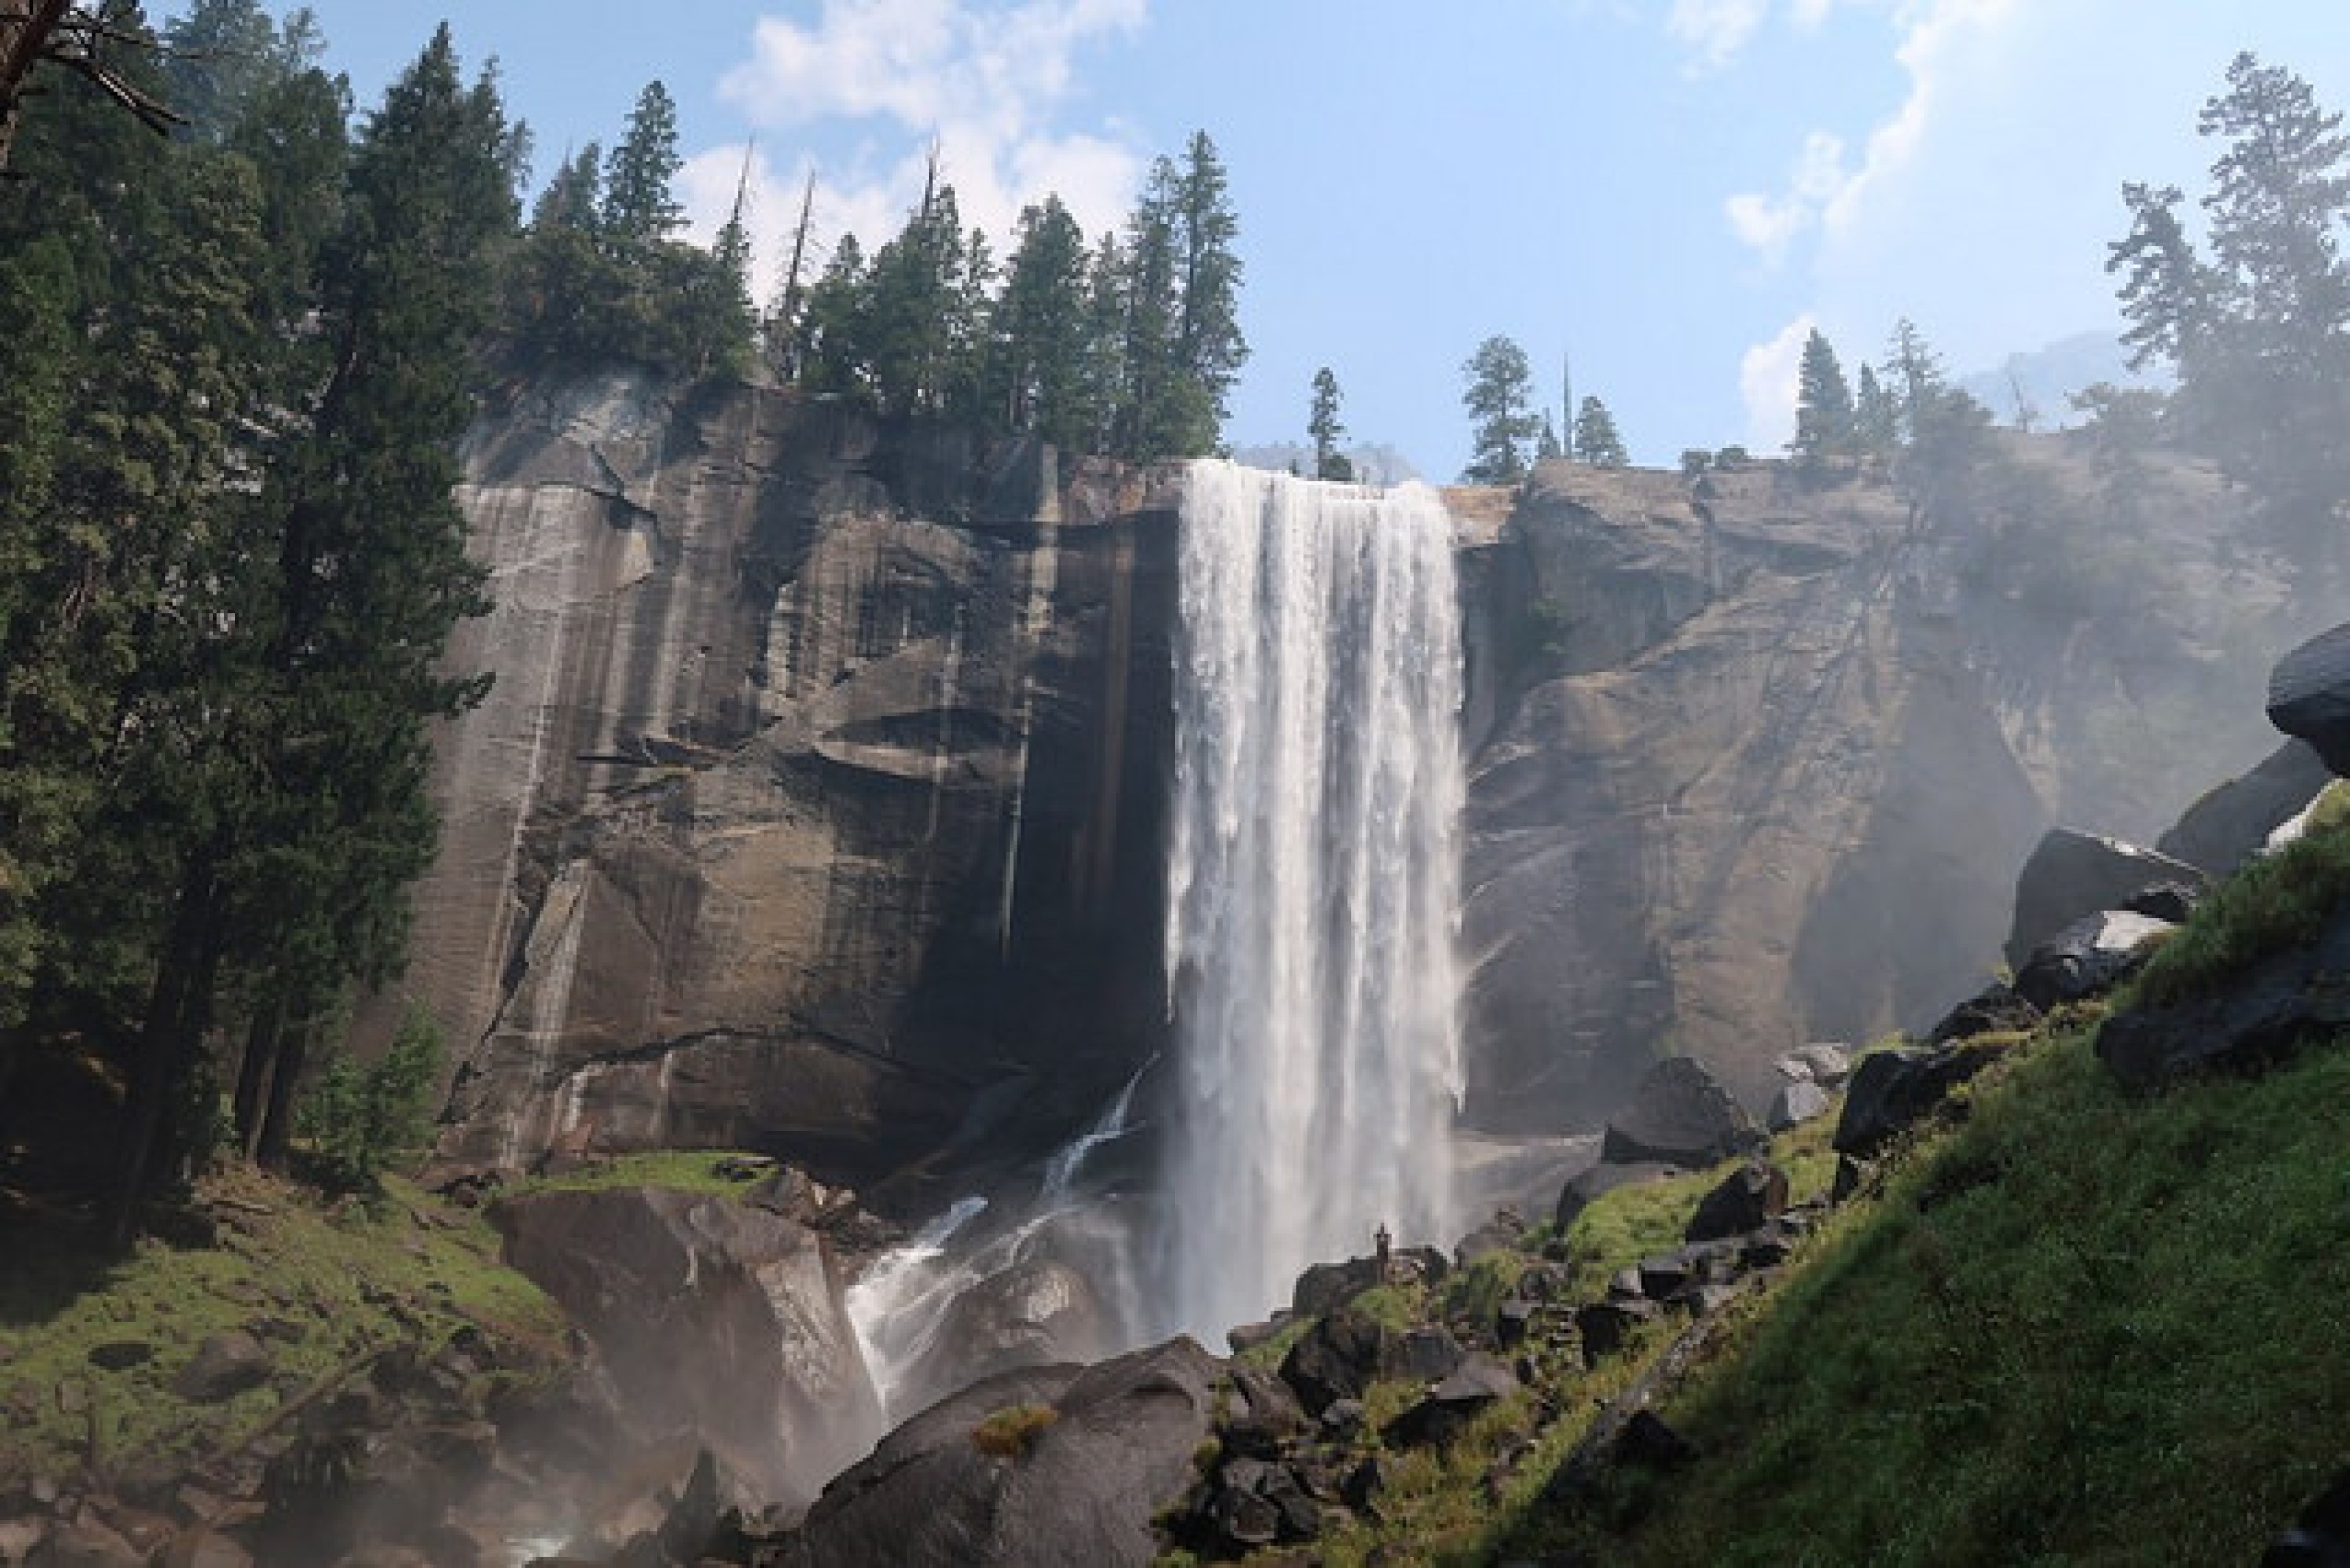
x: 1342, y: 1419
x: 1995, y: 1009
x: 1604, y: 1177
x: 117, y: 1355
x: 1428, y: 1352
x: 757, y: 1357
x: 2170, y: 902
x: 1894, y: 1090
x: 1447, y: 1409
x: 2265, y: 1014
x: 86, y: 1543
x: 2320, y: 1536
x: 1247, y: 1336
x: 1081, y: 1495
x: 1797, y: 1104
x: 1604, y: 1326
x: 2230, y: 824
x: 2071, y: 875
x: 225, y: 1365
x: 1767, y: 1250
x: 1647, y: 1442
x: 1513, y: 1321
x: 1852, y: 1175
x: 1679, y: 1115
x: 1324, y: 1286
x: 2091, y: 956
x: 1504, y: 1230
x: 1366, y: 1481
x: 1262, y: 1415
x: 1340, y: 1357
x: 2309, y: 696
x: 1742, y: 1201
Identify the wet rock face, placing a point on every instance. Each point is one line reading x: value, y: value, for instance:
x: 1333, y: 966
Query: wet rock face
x: 815, y: 807
x: 714, y: 1318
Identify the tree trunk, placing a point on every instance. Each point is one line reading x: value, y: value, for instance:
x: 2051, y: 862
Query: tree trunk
x: 252, y: 1074
x: 25, y: 29
x: 277, y: 1126
x: 174, y: 1029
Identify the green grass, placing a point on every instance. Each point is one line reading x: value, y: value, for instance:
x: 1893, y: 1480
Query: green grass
x: 344, y: 1282
x: 1620, y: 1228
x: 683, y: 1170
x: 2115, y: 1337
x: 2279, y: 901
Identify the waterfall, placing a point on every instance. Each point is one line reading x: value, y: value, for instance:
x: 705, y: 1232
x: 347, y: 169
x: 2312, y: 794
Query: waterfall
x: 1313, y: 871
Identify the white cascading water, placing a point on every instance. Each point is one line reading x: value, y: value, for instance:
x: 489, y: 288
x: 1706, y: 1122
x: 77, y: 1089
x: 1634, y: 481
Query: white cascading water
x: 1313, y: 873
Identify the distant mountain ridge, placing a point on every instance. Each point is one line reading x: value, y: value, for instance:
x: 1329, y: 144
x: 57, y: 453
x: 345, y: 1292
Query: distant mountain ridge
x: 2047, y: 378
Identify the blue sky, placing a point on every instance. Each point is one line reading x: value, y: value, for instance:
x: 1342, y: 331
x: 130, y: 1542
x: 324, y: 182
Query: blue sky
x: 1673, y: 191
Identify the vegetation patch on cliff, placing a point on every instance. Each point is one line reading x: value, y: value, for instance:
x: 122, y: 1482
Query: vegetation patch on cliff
x: 95, y: 1356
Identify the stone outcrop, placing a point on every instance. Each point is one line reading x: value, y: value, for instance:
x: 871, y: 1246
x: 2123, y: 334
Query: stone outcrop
x: 2273, y: 1008
x: 2229, y: 823
x: 714, y: 1319
x: 1058, y: 1467
x: 2309, y: 696
x: 2073, y: 875
x: 816, y: 805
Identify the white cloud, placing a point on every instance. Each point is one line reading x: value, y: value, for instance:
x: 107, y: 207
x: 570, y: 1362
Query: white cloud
x: 1769, y: 374
x: 1935, y: 39
x: 1770, y: 223
x: 1716, y: 29
x: 982, y: 78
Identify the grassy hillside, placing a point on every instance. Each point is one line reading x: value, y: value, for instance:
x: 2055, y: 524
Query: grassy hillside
x: 2074, y: 1324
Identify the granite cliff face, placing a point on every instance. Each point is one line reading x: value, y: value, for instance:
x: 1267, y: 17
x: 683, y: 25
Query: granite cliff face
x: 819, y: 802
x: 1772, y: 747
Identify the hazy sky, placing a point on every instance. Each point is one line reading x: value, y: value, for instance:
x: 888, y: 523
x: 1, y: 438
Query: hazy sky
x: 1671, y: 190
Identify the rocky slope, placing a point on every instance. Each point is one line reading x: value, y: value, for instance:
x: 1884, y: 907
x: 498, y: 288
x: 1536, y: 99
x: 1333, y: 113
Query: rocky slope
x: 817, y: 807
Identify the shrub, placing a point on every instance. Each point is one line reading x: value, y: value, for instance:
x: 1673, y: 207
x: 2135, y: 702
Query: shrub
x: 1009, y: 1433
x: 358, y: 1119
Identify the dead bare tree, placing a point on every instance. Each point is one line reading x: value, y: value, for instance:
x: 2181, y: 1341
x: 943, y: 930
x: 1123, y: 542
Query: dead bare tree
x: 77, y: 39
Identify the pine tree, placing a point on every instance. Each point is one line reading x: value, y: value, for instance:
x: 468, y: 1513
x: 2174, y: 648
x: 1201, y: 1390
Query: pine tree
x: 1876, y: 418
x: 1322, y: 424
x: 1824, y: 407
x: 1597, y: 440
x: 1498, y: 400
x: 1036, y: 363
x: 637, y: 206
x: 2260, y: 331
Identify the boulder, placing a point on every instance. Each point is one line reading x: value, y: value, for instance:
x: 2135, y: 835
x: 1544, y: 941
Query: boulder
x: 1326, y: 1285
x: 2230, y: 824
x: 1996, y: 1009
x: 1797, y: 1104
x: 1035, y: 1312
x: 1338, y: 1358
x: 1604, y: 1326
x: 2092, y: 955
x: 713, y: 1318
x: 2170, y: 902
x: 1679, y: 1115
x: 2071, y: 875
x: 1504, y: 1231
x: 1894, y: 1090
x: 1428, y: 1353
x: 225, y: 1365
x: 2263, y: 1016
x: 1115, y: 1447
x: 1479, y: 1381
x: 2309, y: 696
x: 1604, y: 1177
x: 1823, y: 1062
x: 1746, y: 1199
